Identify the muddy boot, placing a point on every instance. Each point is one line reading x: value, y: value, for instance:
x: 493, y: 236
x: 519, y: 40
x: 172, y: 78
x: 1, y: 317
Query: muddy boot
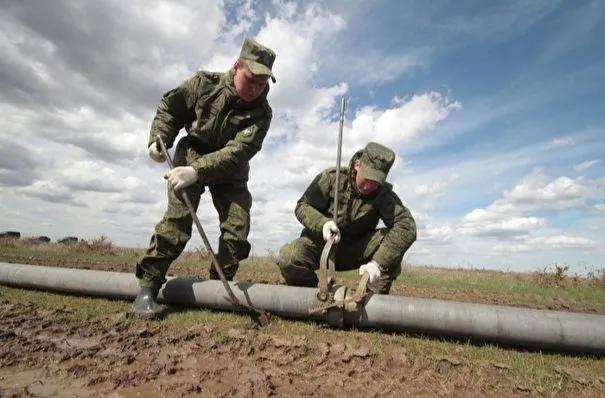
x: 145, y: 304
x: 229, y: 271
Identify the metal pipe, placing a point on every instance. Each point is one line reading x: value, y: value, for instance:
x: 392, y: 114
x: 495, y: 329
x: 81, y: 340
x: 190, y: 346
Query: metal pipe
x: 338, y: 154
x: 538, y: 329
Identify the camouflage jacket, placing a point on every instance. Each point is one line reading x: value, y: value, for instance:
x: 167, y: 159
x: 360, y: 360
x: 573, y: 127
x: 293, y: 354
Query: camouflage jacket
x: 357, y: 214
x: 224, y: 131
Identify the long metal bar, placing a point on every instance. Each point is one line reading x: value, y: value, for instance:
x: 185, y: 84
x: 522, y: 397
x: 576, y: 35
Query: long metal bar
x: 327, y: 267
x: 338, y: 155
x: 547, y: 330
x: 262, y: 317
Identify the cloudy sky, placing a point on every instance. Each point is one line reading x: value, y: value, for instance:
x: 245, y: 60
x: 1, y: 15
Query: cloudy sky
x: 495, y: 110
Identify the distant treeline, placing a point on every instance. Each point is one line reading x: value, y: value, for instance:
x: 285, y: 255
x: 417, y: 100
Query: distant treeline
x: 41, y: 238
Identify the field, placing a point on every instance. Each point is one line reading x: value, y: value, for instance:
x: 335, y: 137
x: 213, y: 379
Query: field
x: 58, y: 345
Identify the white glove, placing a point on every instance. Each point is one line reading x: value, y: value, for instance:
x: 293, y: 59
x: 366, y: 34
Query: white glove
x: 373, y: 270
x: 155, y: 154
x: 181, y: 177
x: 330, y: 228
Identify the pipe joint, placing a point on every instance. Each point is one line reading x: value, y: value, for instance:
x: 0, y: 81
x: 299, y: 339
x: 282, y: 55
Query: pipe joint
x: 346, y: 312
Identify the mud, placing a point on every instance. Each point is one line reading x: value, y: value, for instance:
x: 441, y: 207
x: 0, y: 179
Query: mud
x: 49, y: 353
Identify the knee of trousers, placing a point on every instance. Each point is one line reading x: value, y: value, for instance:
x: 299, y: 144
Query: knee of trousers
x: 297, y: 275
x: 233, y: 250
x: 292, y: 253
x: 169, y: 243
x: 229, y: 271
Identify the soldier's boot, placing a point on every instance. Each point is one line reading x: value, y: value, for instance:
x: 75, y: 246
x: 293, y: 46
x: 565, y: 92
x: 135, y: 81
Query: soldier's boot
x: 145, y: 304
x: 229, y: 271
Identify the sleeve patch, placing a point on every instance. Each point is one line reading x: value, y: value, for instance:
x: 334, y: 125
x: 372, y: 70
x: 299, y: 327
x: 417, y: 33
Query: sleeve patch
x: 248, y: 131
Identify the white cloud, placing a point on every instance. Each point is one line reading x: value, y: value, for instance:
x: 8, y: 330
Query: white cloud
x: 560, y: 142
x: 49, y: 191
x: 585, y: 165
x: 542, y: 243
x: 402, y: 123
x: 390, y: 67
x: 436, y: 189
x: 514, y: 226
x: 92, y: 176
x: 80, y: 85
x: 535, y: 192
x: 177, y: 21
x: 436, y: 234
x: 507, y: 217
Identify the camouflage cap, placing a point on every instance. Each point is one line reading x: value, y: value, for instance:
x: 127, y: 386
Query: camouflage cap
x: 259, y: 58
x: 376, y: 161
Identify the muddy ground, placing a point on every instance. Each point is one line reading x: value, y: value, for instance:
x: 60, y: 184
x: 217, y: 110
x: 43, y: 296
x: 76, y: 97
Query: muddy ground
x: 50, y: 352
x: 47, y: 353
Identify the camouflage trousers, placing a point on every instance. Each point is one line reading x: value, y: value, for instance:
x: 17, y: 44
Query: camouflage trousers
x: 232, y: 203
x: 299, y: 259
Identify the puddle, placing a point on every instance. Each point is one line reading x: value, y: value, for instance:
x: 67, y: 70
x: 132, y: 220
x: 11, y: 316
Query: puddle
x: 145, y: 390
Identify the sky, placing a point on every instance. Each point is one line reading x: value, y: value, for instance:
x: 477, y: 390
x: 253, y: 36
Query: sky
x: 494, y: 109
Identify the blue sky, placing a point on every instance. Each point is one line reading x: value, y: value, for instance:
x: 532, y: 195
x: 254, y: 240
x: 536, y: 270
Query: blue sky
x: 495, y: 110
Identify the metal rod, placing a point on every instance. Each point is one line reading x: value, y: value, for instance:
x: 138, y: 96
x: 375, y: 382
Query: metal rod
x: 200, y: 229
x: 338, y: 153
x: 538, y: 329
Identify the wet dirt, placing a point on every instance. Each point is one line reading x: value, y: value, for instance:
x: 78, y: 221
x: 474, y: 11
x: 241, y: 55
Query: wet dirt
x: 48, y: 353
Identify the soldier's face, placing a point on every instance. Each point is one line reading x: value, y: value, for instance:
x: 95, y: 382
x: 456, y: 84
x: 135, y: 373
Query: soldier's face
x: 366, y: 187
x: 248, y: 85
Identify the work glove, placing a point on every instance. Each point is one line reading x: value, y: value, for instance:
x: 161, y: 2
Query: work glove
x: 373, y: 270
x: 330, y: 228
x: 181, y: 177
x: 155, y: 154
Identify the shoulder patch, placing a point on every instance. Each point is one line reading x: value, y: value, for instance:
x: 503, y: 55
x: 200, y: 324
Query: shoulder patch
x: 209, y: 74
x: 248, y: 131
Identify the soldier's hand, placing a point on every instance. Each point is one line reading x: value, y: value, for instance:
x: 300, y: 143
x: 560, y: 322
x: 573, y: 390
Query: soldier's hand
x: 155, y: 154
x: 373, y: 270
x: 181, y: 177
x: 330, y: 228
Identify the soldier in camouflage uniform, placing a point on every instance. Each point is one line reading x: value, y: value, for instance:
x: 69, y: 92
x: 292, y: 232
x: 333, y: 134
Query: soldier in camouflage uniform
x: 226, y: 117
x: 365, y: 197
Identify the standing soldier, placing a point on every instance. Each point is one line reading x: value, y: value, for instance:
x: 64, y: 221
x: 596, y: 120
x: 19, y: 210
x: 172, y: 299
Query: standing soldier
x: 226, y: 117
x: 365, y: 198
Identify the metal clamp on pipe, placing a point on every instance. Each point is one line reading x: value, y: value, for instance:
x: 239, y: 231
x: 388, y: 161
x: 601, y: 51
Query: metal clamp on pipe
x: 344, y: 310
x: 327, y: 270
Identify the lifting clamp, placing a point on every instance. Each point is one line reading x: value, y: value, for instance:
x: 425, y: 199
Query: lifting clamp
x: 342, y: 306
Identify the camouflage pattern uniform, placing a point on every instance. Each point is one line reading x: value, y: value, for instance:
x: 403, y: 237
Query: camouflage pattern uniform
x: 223, y: 134
x: 358, y: 217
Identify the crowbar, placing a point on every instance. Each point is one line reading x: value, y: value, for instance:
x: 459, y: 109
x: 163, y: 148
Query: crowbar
x: 262, y: 317
x: 327, y: 268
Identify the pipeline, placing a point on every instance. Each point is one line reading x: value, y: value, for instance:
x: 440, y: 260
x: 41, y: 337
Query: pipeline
x: 531, y: 328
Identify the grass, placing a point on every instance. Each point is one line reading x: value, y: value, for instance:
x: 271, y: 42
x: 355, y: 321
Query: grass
x: 514, y: 369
